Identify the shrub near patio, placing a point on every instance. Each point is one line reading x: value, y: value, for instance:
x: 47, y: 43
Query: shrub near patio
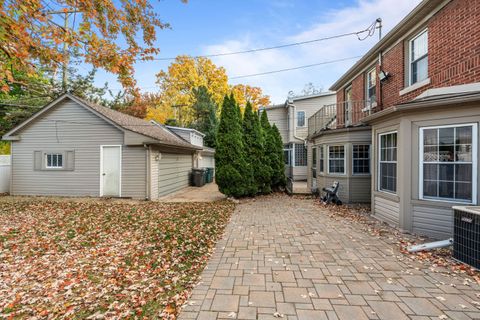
x: 76, y: 259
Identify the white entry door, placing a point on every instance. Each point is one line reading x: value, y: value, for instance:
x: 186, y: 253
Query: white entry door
x: 110, y: 171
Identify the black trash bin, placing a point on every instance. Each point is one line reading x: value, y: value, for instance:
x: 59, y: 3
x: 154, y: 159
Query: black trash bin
x: 198, y: 177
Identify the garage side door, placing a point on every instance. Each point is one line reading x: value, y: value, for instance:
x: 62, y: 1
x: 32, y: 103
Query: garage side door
x: 173, y: 171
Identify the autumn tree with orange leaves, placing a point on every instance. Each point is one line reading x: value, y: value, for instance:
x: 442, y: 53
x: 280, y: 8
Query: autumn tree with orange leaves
x: 185, y: 75
x: 32, y: 34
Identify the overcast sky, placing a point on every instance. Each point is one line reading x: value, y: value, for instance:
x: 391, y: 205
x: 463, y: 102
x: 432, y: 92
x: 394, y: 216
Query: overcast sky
x: 213, y: 26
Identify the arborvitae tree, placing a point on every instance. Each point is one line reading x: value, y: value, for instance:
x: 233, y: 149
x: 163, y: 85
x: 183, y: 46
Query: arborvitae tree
x: 279, y: 180
x: 273, y: 152
x: 254, y: 143
x: 232, y: 174
x: 204, y: 114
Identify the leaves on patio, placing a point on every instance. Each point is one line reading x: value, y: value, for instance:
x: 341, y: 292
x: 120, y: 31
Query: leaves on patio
x: 103, y: 259
x: 438, y: 260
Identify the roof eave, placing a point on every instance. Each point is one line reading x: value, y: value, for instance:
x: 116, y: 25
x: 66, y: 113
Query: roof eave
x: 401, y: 28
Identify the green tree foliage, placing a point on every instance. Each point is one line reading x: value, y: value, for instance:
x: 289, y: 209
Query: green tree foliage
x: 232, y: 171
x: 254, y: 143
x: 278, y: 178
x: 273, y: 152
x: 204, y: 115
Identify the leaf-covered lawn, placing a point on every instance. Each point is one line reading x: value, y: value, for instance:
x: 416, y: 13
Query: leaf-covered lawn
x: 81, y: 259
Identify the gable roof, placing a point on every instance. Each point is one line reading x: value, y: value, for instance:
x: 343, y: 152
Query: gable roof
x: 118, y: 119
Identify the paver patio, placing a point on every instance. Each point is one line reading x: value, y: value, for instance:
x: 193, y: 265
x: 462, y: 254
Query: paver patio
x: 283, y: 257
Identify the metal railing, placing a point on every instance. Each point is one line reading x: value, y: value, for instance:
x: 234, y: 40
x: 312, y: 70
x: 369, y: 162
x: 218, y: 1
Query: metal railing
x: 339, y: 115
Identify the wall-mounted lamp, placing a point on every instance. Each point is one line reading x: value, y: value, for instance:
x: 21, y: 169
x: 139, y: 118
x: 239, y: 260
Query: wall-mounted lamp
x: 383, y: 76
x: 158, y: 157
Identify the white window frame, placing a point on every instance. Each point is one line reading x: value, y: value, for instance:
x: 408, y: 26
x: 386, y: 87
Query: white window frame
x: 321, y: 159
x: 369, y: 159
x: 344, y: 160
x: 304, y: 119
x: 410, y: 62
x: 367, y: 88
x: 54, y: 154
x: 379, y: 150
x: 474, y: 163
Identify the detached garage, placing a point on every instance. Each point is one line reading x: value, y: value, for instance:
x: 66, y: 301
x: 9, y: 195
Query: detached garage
x: 75, y: 148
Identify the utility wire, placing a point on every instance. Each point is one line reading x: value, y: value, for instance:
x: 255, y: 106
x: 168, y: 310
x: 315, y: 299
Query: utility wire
x: 294, y: 68
x: 370, y: 30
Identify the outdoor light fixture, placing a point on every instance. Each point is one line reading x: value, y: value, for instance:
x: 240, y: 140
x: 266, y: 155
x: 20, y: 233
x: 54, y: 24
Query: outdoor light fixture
x: 383, y: 76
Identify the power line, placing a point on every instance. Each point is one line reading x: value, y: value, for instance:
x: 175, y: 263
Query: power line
x: 294, y: 68
x: 370, y: 32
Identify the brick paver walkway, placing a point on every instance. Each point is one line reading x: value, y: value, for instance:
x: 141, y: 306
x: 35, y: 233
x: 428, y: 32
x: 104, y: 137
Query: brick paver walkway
x: 282, y: 258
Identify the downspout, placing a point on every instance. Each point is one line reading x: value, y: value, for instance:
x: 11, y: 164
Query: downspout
x: 294, y: 126
x: 147, y: 172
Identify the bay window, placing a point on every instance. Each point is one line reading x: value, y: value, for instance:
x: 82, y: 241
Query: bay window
x: 336, y: 159
x: 448, y: 159
x: 361, y: 159
x: 387, y: 175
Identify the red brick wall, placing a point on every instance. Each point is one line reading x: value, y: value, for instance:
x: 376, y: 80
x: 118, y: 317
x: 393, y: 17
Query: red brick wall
x: 453, y: 55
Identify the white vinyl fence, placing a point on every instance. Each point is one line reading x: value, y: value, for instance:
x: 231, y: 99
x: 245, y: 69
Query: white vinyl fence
x: 5, y: 167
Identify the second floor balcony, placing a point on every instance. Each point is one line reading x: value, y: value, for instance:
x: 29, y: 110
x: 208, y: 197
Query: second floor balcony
x: 339, y: 115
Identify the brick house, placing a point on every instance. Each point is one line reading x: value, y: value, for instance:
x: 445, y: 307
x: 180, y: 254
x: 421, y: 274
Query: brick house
x: 405, y: 125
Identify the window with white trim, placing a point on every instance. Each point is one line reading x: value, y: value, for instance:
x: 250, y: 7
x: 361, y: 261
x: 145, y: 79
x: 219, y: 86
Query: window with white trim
x: 300, y: 155
x: 388, y: 162
x: 336, y: 159
x: 447, y: 163
x: 361, y: 159
x: 418, y: 58
x: 371, y: 84
x: 300, y: 118
x: 53, y: 160
x: 321, y: 158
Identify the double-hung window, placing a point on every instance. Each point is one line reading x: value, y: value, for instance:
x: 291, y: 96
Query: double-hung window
x: 387, y: 175
x: 418, y: 58
x: 321, y: 159
x: 371, y: 86
x: 300, y: 118
x: 448, y: 158
x: 361, y: 159
x: 336, y: 159
x: 53, y: 160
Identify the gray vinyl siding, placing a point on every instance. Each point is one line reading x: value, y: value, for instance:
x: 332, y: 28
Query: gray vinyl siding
x: 360, y: 189
x: 134, y: 172
x: 310, y: 106
x: 68, y: 126
x: 207, y: 161
x: 173, y: 172
x: 386, y: 210
x: 432, y: 221
x: 154, y: 174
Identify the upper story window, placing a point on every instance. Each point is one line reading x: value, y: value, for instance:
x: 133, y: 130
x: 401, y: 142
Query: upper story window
x: 372, y: 85
x: 54, y: 160
x: 347, y: 111
x: 418, y: 58
x: 300, y: 118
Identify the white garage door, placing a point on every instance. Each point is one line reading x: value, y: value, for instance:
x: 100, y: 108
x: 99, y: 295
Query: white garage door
x: 173, y: 171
